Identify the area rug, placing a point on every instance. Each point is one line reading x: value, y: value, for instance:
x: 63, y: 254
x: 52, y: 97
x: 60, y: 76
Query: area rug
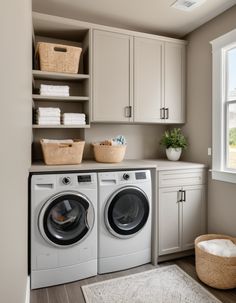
x: 168, y: 284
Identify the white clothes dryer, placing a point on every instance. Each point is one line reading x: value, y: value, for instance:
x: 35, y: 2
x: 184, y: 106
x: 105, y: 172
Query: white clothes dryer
x: 63, y: 228
x: 124, y: 219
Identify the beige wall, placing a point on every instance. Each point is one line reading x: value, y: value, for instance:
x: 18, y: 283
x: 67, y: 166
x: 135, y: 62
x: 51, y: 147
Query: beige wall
x: 142, y: 140
x: 15, y: 121
x: 222, y: 196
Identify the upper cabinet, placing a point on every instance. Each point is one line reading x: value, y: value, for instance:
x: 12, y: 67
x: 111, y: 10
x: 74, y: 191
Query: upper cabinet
x: 148, y: 70
x: 174, y: 83
x: 159, y: 81
x: 137, y: 79
x: 111, y: 77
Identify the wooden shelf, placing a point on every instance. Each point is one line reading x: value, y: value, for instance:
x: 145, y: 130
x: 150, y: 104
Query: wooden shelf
x: 56, y: 98
x: 61, y: 126
x: 40, y: 75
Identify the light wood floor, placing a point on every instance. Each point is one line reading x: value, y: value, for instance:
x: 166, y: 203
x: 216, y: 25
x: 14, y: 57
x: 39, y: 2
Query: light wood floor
x: 72, y: 293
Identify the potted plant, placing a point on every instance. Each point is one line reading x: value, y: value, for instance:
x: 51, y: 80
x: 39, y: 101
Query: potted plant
x: 174, y: 142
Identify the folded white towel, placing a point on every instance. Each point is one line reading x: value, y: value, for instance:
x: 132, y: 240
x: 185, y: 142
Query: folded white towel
x: 48, y: 111
x: 48, y: 123
x: 53, y: 119
x: 73, y: 115
x: 54, y: 94
x: 57, y: 88
x: 73, y: 122
x: 219, y: 247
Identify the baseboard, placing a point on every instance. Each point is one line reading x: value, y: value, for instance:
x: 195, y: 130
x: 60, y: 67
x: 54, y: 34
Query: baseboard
x: 175, y: 256
x: 27, y: 293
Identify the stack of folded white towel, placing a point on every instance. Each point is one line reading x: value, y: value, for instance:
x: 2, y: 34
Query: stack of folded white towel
x: 54, y: 90
x: 73, y: 119
x: 48, y: 116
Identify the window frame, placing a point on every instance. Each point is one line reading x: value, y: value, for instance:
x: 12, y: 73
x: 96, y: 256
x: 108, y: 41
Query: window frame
x: 220, y: 104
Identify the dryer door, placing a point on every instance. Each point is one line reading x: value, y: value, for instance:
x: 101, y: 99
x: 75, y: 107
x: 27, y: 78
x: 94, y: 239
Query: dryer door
x: 66, y: 218
x: 127, y: 212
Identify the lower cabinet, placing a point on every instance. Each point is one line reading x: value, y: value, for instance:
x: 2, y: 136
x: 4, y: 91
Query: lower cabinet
x: 182, y: 215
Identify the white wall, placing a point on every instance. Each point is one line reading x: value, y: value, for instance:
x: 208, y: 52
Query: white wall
x: 15, y: 138
x: 222, y: 196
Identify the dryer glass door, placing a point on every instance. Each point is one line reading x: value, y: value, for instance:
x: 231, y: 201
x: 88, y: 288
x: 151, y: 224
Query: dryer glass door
x: 66, y: 219
x: 127, y: 212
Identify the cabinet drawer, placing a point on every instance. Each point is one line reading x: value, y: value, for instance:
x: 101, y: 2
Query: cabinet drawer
x: 182, y: 177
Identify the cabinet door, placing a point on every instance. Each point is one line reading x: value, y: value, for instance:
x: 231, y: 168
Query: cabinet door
x: 148, y: 61
x: 170, y: 221
x: 111, y: 76
x: 194, y: 215
x: 174, y: 82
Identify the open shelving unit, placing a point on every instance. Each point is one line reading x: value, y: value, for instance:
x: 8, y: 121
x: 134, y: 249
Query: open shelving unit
x: 61, y: 31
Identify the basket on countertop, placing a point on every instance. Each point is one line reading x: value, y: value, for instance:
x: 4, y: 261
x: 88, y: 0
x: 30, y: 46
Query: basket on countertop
x: 58, y: 58
x: 62, y: 153
x: 215, y: 271
x: 109, y: 153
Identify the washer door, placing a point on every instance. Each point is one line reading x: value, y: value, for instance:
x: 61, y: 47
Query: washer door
x: 66, y: 218
x: 127, y: 212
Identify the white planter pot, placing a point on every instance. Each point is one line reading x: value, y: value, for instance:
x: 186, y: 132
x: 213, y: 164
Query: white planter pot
x: 173, y: 154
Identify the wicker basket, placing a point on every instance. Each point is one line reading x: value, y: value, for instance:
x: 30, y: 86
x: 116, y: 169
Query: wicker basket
x: 215, y: 271
x: 109, y: 153
x: 58, y: 58
x: 62, y: 153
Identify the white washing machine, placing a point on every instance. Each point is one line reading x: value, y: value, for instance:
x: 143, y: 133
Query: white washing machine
x: 63, y: 228
x: 124, y: 219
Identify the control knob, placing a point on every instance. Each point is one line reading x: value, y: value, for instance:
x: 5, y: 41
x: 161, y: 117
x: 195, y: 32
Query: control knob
x: 126, y: 177
x: 66, y: 180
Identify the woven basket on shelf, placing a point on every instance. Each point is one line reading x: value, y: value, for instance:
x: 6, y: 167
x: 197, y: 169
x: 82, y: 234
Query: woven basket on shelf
x: 215, y: 271
x: 58, y: 58
x: 62, y: 153
x: 109, y: 153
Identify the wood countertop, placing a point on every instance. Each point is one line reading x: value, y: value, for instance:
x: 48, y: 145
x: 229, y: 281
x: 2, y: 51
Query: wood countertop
x: 91, y: 165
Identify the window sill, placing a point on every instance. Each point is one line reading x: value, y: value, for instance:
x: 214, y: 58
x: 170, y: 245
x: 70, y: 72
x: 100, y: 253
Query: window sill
x: 224, y: 176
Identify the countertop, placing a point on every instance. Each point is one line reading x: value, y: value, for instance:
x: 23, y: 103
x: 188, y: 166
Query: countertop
x: 90, y: 165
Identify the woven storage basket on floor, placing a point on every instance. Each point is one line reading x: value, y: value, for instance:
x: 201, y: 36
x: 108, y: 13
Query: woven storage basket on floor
x: 109, y: 153
x: 58, y: 58
x: 62, y: 153
x: 215, y: 271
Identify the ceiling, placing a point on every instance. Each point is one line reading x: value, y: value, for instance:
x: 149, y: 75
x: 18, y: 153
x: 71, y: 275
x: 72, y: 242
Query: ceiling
x: 152, y: 16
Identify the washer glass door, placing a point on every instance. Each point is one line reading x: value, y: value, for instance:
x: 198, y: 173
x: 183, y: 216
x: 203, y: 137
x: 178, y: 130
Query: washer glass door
x: 66, y: 218
x: 127, y: 212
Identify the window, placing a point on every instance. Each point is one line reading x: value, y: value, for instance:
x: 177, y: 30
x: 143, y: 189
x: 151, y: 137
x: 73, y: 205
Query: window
x: 231, y: 108
x: 224, y: 107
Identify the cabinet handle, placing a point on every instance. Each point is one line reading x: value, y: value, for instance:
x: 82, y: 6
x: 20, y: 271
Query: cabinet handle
x: 180, y: 196
x: 166, y: 113
x: 162, y: 113
x: 184, y: 195
x: 130, y: 111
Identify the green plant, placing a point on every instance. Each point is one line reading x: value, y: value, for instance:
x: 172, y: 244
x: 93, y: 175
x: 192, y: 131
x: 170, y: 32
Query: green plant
x: 174, y: 138
x: 232, y: 137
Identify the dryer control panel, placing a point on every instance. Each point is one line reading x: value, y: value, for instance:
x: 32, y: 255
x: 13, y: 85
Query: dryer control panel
x: 124, y: 177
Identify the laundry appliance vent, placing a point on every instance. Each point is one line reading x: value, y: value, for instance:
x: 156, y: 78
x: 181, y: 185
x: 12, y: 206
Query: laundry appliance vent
x: 187, y: 5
